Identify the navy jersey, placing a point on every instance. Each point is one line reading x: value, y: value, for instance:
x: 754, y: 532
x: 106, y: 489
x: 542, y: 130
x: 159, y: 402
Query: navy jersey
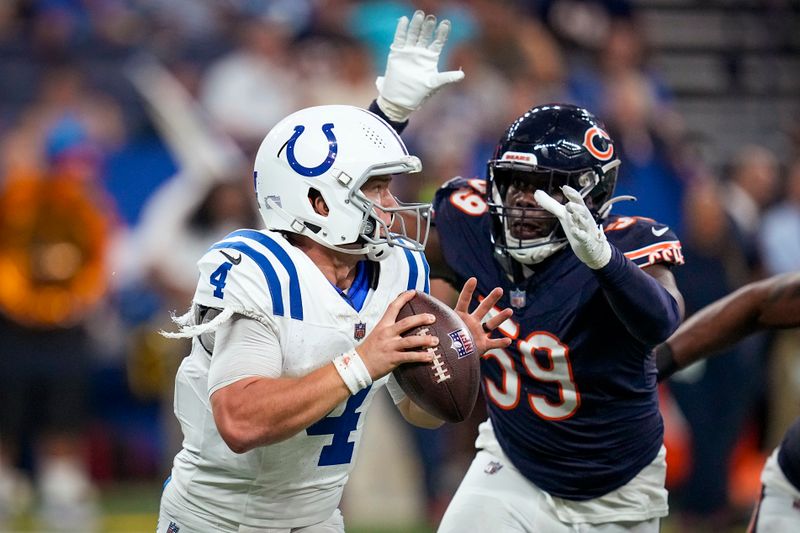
x: 573, y: 400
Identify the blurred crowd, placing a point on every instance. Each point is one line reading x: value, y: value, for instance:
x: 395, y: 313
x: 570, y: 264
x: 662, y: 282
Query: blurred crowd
x: 127, y: 134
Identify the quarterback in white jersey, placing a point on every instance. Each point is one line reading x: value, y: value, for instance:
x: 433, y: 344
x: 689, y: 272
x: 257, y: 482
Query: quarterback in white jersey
x: 294, y: 331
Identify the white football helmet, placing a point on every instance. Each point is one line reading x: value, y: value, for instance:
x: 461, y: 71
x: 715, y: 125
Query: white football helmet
x: 333, y: 150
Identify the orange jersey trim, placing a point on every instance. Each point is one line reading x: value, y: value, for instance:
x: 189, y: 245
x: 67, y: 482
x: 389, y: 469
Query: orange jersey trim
x: 669, y: 251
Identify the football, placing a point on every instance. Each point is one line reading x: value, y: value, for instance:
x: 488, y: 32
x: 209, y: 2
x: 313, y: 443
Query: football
x: 448, y: 386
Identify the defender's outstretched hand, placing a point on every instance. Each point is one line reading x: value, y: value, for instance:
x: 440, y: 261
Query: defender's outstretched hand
x: 586, y: 238
x: 480, y: 327
x: 412, y: 73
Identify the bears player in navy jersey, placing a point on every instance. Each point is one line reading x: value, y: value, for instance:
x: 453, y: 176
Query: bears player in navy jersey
x: 773, y: 303
x: 574, y: 436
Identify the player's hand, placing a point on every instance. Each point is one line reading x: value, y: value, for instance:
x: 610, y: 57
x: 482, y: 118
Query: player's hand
x: 384, y: 349
x: 480, y: 327
x: 412, y: 73
x: 585, y: 236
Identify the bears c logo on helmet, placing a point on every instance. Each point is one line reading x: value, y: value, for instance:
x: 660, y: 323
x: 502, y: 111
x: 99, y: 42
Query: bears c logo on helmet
x: 597, y: 143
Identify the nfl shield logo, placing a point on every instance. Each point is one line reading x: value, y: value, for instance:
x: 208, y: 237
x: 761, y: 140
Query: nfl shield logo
x: 462, y: 343
x: 492, y: 467
x: 517, y: 298
x: 359, y: 331
x: 173, y: 528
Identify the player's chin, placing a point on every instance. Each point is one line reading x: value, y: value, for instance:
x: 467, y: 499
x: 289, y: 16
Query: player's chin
x: 352, y: 246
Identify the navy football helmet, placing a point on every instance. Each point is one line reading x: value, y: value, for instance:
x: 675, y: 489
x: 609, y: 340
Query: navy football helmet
x: 547, y: 147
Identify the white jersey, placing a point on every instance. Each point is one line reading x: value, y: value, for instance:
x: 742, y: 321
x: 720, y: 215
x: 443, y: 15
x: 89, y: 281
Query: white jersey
x: 298, y: 481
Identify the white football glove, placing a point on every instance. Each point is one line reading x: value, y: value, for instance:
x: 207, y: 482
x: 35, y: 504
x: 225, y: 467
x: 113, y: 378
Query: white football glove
x: 412, y: 74
x: 586, y: 238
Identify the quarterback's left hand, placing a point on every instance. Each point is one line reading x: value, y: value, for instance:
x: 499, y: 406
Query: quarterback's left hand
x: 412, y: 74
x: 586, y: 238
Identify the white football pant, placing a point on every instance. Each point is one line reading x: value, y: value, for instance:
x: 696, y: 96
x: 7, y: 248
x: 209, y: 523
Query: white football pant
x: 779, y: 508
x: 175, y: 515
x: 494, y: 496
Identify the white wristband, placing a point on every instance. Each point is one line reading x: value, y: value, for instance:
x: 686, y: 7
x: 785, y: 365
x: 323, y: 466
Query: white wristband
x: 353, y: 371
x: 394, y: 112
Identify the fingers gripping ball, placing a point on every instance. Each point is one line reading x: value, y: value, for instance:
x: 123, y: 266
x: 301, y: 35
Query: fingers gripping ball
x: 448, y: 386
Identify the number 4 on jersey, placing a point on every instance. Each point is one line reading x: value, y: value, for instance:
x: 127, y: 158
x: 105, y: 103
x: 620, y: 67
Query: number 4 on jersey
x: 218, y: 278
x: 340, y: 450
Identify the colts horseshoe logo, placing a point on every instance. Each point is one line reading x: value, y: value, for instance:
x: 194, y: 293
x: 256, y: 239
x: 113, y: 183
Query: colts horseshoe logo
x: 333, y: 148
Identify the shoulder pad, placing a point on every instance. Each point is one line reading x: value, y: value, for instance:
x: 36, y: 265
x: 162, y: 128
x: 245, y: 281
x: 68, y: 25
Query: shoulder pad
x: 410, y: 266
x: 477, y: 184
x: 644, y: 240
x: 251, y: 272
x: 466, y: 195
x: 418, y: 271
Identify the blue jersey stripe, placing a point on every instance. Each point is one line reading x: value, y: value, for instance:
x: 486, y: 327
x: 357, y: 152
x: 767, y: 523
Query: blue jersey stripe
x: 295, y: 296
x: 271, y: 276
x: 360, y: 287
x: 427, y: 268
x: 413, y: 269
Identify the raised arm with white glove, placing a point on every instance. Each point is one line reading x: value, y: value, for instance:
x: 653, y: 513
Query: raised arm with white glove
x: 412, y: 73
x: 585, y: 236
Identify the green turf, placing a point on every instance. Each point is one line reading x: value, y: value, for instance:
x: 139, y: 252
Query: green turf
x: 133, y: 508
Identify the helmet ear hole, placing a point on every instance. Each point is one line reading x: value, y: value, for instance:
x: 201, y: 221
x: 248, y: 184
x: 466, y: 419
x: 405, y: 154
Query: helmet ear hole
x: 318, y: 202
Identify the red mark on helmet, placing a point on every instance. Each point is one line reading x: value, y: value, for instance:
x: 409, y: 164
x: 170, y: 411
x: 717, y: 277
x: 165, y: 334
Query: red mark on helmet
x: 589, y: 143
x: 522, y: 157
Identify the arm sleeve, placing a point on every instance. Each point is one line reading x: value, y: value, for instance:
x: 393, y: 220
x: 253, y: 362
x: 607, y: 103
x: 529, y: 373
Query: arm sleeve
x: 648, y: 310
x: 396, y: 126
x: 244, y: 347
